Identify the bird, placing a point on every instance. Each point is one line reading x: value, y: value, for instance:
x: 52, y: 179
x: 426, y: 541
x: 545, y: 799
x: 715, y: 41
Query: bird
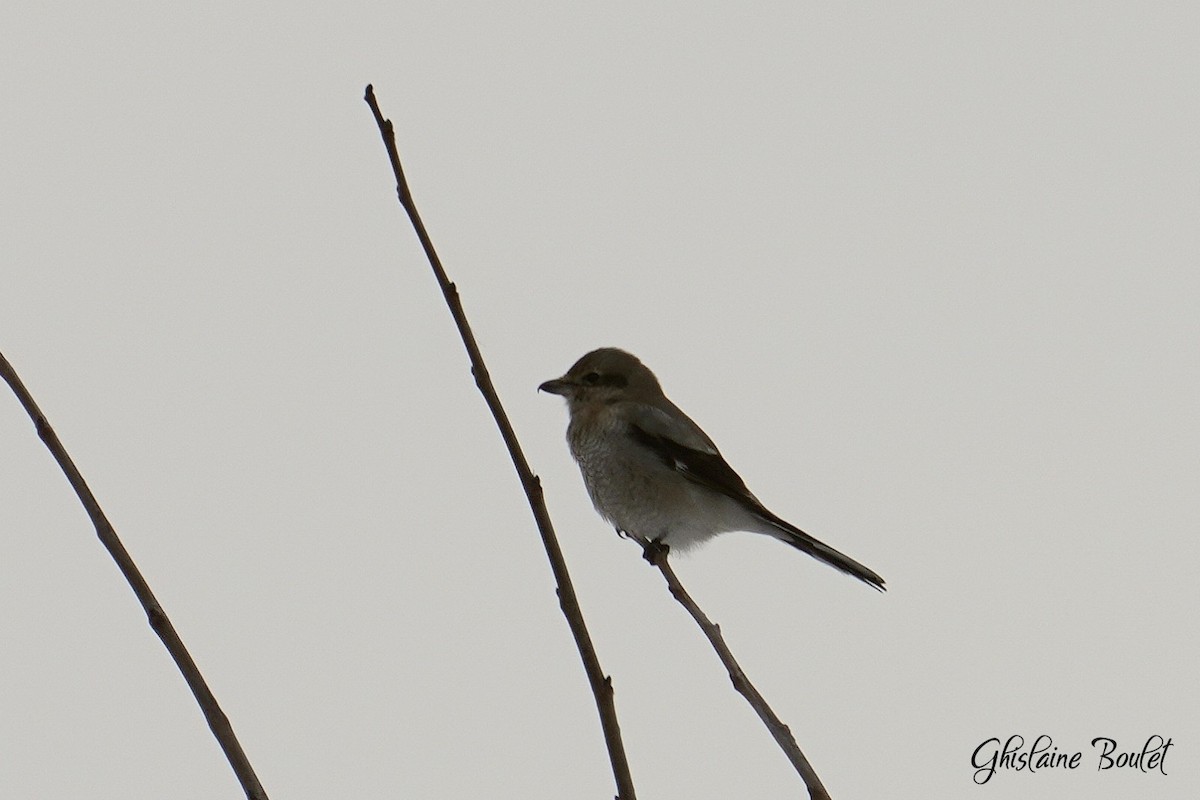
x: 654, y: 474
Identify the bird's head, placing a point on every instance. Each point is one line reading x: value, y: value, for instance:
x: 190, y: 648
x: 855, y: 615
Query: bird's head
x: 607, y: 375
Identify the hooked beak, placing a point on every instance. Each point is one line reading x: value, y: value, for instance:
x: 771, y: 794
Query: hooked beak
x: 557, y: 386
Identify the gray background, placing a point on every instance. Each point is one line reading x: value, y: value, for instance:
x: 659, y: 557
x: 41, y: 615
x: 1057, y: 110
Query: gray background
x: 927, y: 274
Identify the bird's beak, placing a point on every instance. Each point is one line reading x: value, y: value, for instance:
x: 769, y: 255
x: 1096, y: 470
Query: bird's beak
x: 557, y: 386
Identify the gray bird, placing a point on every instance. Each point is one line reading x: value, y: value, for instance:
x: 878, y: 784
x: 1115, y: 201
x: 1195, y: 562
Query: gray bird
x: 653, y: 473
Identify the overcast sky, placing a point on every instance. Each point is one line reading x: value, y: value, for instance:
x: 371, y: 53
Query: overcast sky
x: 926, y: 274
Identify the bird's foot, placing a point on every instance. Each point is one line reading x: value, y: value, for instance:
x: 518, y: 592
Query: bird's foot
x: 654, y: 550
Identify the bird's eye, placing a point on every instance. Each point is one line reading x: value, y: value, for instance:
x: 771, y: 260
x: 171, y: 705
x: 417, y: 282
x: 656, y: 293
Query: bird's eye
x: 591, y: 379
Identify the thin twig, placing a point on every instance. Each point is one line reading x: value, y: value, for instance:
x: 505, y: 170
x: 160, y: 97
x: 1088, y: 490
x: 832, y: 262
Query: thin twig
x: 217, y: 721
x: 656, y: 554
x: 601, y: 684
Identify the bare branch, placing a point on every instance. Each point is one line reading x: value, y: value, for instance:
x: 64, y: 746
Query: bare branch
x: 217, y: 721
x: 600, y: 683
x: 656, y: 554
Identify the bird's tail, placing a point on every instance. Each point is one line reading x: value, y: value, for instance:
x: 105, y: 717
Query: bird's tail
x: 800, y: 540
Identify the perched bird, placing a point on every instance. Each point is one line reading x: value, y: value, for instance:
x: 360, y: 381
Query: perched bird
x: 653, y: 473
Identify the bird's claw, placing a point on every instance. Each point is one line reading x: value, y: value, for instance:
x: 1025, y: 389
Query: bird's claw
x: 654, y: 550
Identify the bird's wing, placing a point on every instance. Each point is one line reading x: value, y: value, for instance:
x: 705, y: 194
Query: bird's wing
x: 681, y: 445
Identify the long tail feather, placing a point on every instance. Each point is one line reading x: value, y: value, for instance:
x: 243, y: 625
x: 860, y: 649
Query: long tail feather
x: 797, y: 538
